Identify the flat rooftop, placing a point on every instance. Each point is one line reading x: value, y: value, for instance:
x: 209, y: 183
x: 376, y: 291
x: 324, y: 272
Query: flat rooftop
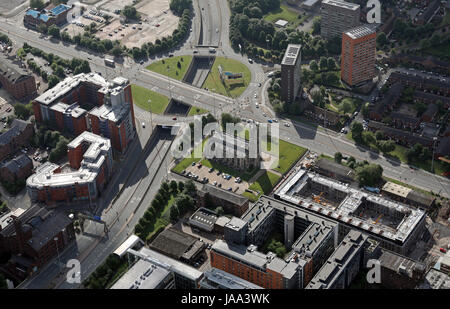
x: 64, y: 87
x: 142, y: 275
x: 73, y: 110
x: 93, y: 159
x: 342, y: 4
x: 345, y: 212
x: 216, y: 278
x: 291, y: 55
x: 337, y: 262
x: 176, y: 266
x: 359, y: 32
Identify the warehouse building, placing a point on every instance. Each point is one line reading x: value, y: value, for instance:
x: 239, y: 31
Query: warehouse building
x: 396, y: 225
x: 178, y: 245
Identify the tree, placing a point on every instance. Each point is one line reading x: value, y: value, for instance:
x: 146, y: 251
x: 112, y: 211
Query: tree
x: 42, y: 28
x: 346, y: 106
x: 379, y: 135
x: 316, y: 25
x: 37, y: 4
x: 174, y: 187
x: 331, y: 64
x: 313, y: 66
x: 190, y: 188
x: 338, y: 157
x: 323, y: 63
x: 180, y: 186
x: 174, y: 213
x: 368, y: 137
x: 130, y: 12
x: 386, y: 146
x: 219, y: 210
x: 23, y: 111
x: 381, y: 40
x: 318, y: 99
x: 52, y: 81
x: 369, y: 174
x: 357, y: 129
x: 53, y: 30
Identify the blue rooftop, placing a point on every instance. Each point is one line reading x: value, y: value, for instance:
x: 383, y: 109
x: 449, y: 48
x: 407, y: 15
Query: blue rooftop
x: 33, y: 13
x: 59, y: 9
x: 44, y: 17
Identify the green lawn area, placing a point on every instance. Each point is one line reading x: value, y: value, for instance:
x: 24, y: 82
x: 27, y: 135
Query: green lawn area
x: 174, y: 71
x: 289, y: 154
x: 284, y: 12
x: 264, y: 185
x: 189, y: 160
x: 141, y: 96
x: 197, y: 111
x: 232, y: 90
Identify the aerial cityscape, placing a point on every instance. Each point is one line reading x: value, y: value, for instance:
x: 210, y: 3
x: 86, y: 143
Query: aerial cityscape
x: 224, y: 145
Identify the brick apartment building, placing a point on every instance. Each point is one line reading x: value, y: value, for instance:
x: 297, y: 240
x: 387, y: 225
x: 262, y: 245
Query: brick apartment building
x: 87, y: 102
x: 16, y: 80
x: 90, y: 168
x: 290, y: 73
x: 17, y: 136
x: 338, y: 16
x: 30, y: 239
x: 441, y: 88
x: 55, y: 16
x: 18, y: 168
x: 358, y: 55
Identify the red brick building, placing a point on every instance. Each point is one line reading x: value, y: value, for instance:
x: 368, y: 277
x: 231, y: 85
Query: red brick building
x: 87, y: 102
x: 90, y: 160
x: 16, y: 137
x: 358, y: 55
x: 18, y: 168
x: 34, y: 238
x: 16, y: 80
x: 55, y: 16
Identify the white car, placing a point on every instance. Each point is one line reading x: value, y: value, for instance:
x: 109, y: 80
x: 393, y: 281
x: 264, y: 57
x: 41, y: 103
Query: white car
x: 287, y: 124
x: 143, y: 124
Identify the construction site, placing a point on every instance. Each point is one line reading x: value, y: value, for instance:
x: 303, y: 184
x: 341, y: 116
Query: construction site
x: 396, y: 225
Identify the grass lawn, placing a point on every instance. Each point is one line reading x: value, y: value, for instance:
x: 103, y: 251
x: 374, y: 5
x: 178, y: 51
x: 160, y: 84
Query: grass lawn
x: 175, y: 72
x: 264, y: 185
x: 141, y: 96
x: 197, y: 111
x: 289, y: 154
x: 232, y: 90
x: 189, y: 160
x: 283, y: 12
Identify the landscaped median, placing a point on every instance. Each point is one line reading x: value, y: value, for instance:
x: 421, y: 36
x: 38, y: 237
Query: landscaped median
x: 174, y: 67
x: 141, y: 97
x: 233, y: 89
